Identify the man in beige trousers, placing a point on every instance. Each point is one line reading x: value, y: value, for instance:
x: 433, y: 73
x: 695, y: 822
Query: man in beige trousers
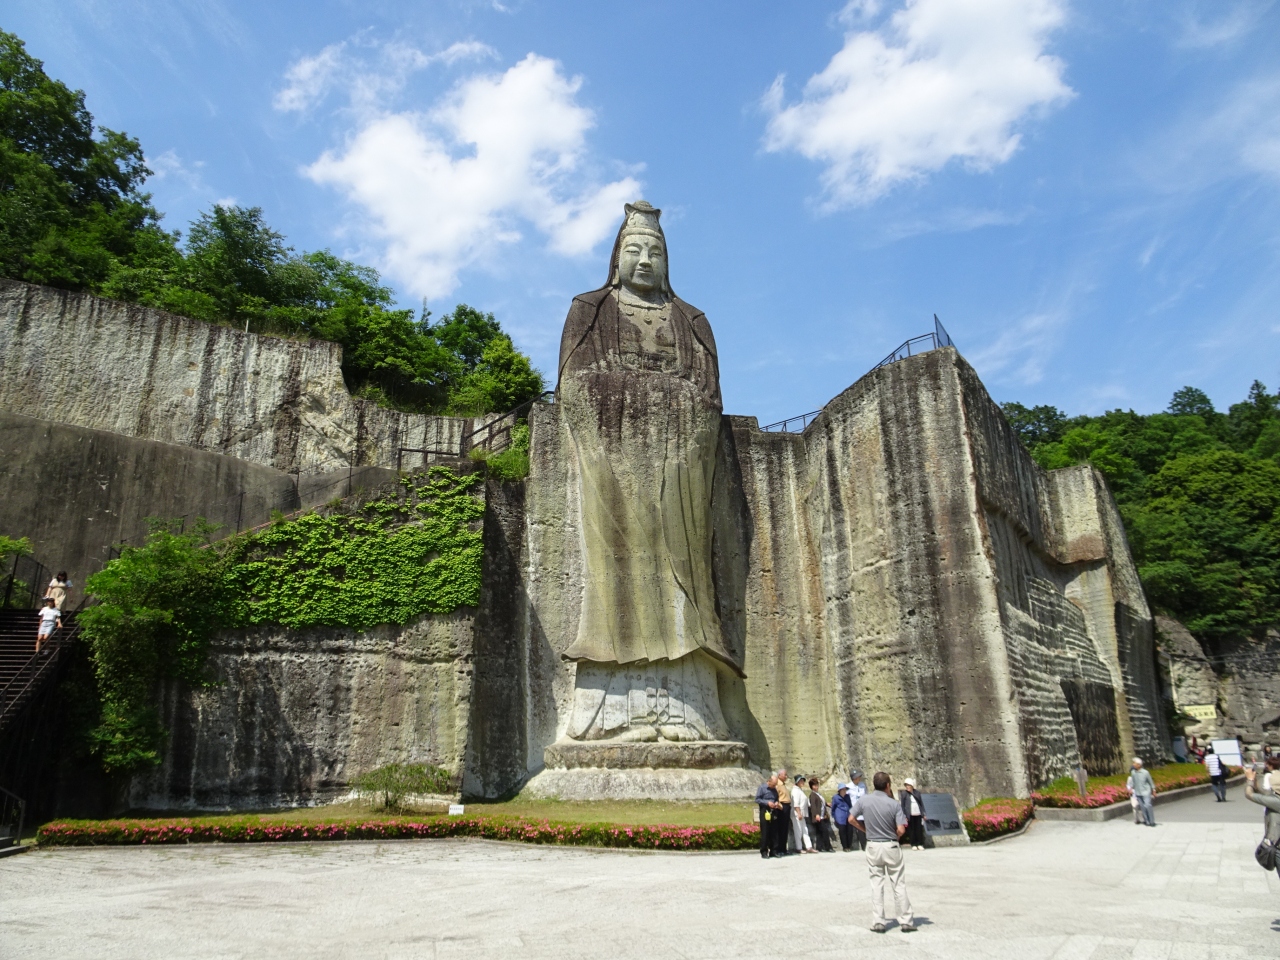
x: 880, y: 816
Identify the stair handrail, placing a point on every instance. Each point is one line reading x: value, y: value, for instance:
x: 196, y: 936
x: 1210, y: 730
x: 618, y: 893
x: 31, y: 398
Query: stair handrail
x: 12, y: 695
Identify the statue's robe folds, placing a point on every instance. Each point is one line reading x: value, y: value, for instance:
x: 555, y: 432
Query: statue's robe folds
x: 645, y: 422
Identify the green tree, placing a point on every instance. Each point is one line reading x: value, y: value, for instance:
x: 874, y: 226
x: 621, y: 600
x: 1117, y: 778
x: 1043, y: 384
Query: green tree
x: 502, y: 380
x: 158, y: 605
x: 1246, y: 421
x: 72, y: 214
x: 71, y: 205
x: 1191, y: 401
x: 1207, y: 542
x: 465, y: 333
x: 1035, y: 425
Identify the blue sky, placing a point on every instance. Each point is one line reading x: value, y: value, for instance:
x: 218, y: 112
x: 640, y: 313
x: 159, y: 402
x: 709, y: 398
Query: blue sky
x: 1087, y: 193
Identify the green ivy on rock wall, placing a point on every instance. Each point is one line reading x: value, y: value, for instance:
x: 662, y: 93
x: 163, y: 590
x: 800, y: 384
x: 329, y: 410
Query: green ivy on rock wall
x: 388, y: 559
x: 395, y: 558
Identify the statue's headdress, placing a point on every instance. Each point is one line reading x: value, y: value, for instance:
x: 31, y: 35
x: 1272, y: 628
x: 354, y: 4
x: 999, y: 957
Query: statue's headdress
x: 639, y: 217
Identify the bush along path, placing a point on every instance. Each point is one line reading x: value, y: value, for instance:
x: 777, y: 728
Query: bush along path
x: 996, y: 817
x: 252, y: 829
x: 1104, y: 791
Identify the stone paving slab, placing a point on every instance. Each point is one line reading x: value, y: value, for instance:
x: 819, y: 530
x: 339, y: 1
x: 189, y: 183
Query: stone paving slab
x: 1063, y: 891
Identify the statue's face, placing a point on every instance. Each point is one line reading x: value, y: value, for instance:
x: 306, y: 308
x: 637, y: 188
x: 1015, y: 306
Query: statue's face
x: 642, y: 263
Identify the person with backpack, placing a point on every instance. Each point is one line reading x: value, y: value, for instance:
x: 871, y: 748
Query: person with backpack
x: 1266, y: 854
x: 1217, y: 774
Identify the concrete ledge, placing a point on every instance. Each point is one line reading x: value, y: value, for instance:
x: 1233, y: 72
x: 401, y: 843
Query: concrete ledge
x: 16, y: 849
x: 1114, y: 810
x: 611, y: 755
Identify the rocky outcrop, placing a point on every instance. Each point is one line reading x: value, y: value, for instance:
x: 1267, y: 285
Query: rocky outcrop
x: 1231, y: 687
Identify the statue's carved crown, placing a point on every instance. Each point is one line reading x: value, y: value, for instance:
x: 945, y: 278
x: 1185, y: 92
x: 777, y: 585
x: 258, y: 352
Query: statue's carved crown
x: 642, y: 217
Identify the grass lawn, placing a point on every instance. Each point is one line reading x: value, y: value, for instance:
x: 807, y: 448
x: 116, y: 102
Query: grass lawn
x: 634, y: 812
x: 1163, y: 776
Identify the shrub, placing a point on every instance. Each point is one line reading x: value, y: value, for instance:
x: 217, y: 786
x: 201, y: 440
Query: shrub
x: 513, y: 462
x: 252, y: 829
x: 396, y: 781
x: 997, y: 816
x: 1104, y: 791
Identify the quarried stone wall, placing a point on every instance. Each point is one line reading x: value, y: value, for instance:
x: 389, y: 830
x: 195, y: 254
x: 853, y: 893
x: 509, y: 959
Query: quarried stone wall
x: 139, y: 372
x: 910, y: 591
x: 294, y: 715
x: 78, y: 492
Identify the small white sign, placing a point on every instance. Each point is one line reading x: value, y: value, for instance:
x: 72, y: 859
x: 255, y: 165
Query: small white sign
x: 1228, y: 751
x: 1201, y: 711
x: 456, y: 809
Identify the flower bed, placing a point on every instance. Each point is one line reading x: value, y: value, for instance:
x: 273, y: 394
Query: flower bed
x: 1104, y: 791
x: 251, y: 829
x: 996, y: 816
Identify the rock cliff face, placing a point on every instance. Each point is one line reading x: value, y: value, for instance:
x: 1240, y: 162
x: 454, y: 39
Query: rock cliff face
x: 906, y: 589
x: 910, y: 591
x: 139, y: 372
x: 295, y: 714
x: 111, y: 413
x: 1238, y: 680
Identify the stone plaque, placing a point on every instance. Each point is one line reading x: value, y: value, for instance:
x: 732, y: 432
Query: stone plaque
x: 941, y: 818
x: 1201, y: 711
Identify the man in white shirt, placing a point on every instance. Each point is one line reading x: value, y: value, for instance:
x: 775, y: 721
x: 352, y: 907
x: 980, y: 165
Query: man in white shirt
x: 800, y: 814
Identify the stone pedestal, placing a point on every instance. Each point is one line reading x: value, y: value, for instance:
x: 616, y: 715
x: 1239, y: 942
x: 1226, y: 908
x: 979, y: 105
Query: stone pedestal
x: 616, y: 770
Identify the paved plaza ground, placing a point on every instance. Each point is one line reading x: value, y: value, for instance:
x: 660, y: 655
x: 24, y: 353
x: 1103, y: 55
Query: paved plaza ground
x: 1186, y: 889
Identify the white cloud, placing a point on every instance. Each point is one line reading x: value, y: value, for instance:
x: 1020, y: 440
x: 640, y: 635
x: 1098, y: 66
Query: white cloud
x: 169, y: 165
x: 1021, y: 352
x: 1233, y: 21
x: 447, y: 188
x: 310, y: 79
x: 1237, y: 134
x: 939, y: 80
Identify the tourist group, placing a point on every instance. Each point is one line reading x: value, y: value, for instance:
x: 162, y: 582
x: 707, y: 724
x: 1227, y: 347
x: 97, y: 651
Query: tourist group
x: 796, y: 818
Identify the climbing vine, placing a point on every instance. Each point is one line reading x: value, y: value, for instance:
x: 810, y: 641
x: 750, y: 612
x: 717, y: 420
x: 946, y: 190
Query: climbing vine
x: 359, y: 563
x: 389, y: 560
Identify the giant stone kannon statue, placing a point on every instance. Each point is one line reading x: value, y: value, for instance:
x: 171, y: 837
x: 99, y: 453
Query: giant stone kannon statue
x: 639, y: 390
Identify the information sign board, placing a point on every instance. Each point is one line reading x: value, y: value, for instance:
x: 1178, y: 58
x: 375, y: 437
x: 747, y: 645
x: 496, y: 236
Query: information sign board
x: 941, y: 818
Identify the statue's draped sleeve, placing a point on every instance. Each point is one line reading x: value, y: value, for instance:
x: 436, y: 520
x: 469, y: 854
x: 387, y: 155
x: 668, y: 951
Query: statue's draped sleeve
x: 646, y: 450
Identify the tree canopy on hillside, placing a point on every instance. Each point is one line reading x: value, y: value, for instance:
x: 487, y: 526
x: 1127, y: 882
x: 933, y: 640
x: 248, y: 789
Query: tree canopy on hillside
x: 73, y: 215
x: 1199, y: 491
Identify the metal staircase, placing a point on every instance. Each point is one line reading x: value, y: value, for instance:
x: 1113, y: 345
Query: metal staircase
x: 23, y: 672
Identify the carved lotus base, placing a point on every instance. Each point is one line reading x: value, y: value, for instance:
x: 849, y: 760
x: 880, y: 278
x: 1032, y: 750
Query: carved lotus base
x: 638, y: 755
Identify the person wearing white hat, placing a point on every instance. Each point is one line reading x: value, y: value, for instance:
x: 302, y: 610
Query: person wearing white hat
x: 913, y: 809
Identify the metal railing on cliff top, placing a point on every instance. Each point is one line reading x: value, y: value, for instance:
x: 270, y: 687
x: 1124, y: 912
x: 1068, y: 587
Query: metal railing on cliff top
x: 909, y: 348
